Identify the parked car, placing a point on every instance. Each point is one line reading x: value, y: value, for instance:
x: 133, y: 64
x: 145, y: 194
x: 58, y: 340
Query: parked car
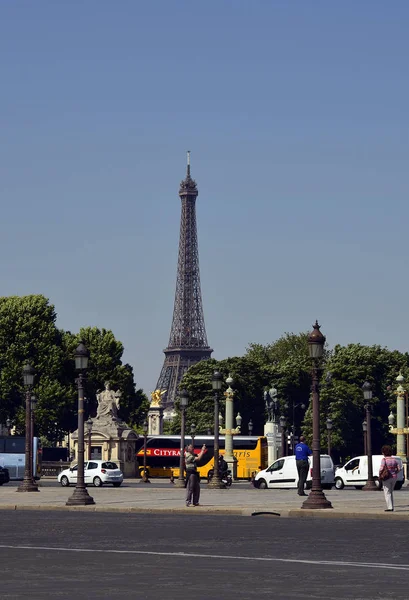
x: 283, y: 474
x: 355, y: 472
x: 98, y: 472
x: 4, y: 475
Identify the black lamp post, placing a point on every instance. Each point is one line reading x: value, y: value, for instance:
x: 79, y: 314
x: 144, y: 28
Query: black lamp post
x: 89, y: 432
x: 184, y: 401
x: 28, y: 484
x: 316, y: 498
x: 80, y: 497
x: 145, y: 477
x: 329, y: 429
x: 370, y: 485
x: 250, y: 427
x: 282, y: 429
x: 217, y: 381
x: 364, y: 430
x: 193, y: 433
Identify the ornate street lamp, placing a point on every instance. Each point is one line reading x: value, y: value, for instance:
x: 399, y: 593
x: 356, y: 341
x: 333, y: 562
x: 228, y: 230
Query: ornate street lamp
x: 28, y: 484
x: 145, y: 477
x: 364, y: 430
x: 184, y: 401
x: 217, y: 381
x: 239, y: 420
x: 370, y: 485
x: 80, y: 497
x: 282, y: 429
x: 329, y: 429
x: 316, y: 498
x: 250, y: 427
x: 89, y: 432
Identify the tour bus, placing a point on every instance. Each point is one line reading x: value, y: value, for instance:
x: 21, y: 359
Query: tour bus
x: 13, y: 457
x: 163, y: 454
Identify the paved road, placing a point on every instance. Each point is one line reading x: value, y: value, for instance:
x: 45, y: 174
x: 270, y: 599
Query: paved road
x: 107, y: 556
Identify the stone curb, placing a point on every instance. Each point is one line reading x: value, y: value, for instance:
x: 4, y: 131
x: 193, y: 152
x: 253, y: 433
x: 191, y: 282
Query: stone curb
x: 217, y: 511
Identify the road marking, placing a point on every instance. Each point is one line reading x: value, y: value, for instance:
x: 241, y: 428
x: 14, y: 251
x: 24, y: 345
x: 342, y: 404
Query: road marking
x: 329, y: 563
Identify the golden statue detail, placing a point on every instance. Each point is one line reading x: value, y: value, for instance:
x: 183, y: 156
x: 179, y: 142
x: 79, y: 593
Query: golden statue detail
x: 156, y: 397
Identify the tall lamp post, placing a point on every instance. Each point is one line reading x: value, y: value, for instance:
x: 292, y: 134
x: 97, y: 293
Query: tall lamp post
x: 184, y: 401
x: 145, y: 477
x: 215, y: 482
x: 364, y: 430
x: 80, y: 497
x: 316, y: 498
x: 370, y: 485
x: 329, y: 429
x: 282, y: 429
x: 28, y: 484
x: 89, y: 432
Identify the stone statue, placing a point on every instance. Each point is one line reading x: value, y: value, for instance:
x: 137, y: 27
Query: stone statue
x: 156, y: 397
x: 108, y: 403
x: 271, y: 403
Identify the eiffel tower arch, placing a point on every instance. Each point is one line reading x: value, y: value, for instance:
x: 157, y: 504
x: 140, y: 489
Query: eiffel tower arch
x: 188, y: 340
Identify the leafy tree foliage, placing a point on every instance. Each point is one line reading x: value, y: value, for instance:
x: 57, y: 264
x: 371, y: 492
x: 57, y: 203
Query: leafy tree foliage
x: 28, y: 333
x: 341, y: 396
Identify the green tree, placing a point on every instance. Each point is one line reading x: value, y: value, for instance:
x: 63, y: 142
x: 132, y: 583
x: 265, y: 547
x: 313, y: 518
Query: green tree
x: 105, y: 364
x: 341, y: 396
x: 28, y: 333
x: 288, y: 368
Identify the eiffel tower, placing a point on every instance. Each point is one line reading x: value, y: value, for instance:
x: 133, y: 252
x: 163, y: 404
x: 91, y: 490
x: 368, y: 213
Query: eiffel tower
x: 188, y: 341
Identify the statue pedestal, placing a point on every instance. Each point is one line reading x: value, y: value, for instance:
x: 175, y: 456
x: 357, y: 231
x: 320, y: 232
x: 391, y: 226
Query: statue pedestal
x: 272, y: 434
x: 110, y: 441
x: 155, y: 420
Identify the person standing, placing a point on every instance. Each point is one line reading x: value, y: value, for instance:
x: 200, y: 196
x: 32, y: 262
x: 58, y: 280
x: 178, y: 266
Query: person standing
x: 392, y: 467
x: 192, y: 476
x: 302, y: 452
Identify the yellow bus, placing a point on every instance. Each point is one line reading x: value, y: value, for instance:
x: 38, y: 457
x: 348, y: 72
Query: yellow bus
x: 163, y: 454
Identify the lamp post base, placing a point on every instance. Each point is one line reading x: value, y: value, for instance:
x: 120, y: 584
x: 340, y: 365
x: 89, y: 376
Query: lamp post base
x: 316, y: 499
x: 216, y: 484
x: 144, y: 479
x: 80, y: 497
x: 370, y: 486
x: 28, y: 485
x: 180, y: 482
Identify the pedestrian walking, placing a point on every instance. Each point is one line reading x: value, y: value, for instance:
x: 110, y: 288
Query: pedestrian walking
x: 302, y: 452
x: 192, y: 476
x: 388, y: 473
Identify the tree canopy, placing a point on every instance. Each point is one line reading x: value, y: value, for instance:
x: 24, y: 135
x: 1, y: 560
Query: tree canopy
x: 28, y: 333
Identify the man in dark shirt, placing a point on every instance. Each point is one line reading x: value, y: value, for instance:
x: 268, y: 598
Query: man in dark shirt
x: 302, y: 452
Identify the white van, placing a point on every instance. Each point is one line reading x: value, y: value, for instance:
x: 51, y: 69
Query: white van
x: 283, y: 474
x: 355, y: 472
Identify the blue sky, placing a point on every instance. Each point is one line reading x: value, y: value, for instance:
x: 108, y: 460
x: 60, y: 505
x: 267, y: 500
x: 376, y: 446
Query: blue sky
x: 296, y: 114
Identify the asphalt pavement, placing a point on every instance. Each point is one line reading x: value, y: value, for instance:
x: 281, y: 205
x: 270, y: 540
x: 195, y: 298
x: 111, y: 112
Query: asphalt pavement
x: 205, y: 557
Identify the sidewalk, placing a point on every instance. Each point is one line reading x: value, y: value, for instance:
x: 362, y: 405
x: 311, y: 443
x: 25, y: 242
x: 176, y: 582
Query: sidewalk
x: 240, y: 499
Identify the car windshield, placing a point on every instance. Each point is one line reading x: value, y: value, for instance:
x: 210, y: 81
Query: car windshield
x: 109, y: 465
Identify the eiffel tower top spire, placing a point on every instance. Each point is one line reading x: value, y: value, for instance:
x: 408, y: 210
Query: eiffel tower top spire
x: 188, y: 185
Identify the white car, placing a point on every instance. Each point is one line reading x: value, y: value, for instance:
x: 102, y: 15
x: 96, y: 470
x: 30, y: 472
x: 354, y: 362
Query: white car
x: 283, y: 474
x: 97, y: 472
x: 355, y: 472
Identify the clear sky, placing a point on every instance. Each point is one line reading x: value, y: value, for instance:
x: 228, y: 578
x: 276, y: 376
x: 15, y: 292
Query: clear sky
x: 296, y: 114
